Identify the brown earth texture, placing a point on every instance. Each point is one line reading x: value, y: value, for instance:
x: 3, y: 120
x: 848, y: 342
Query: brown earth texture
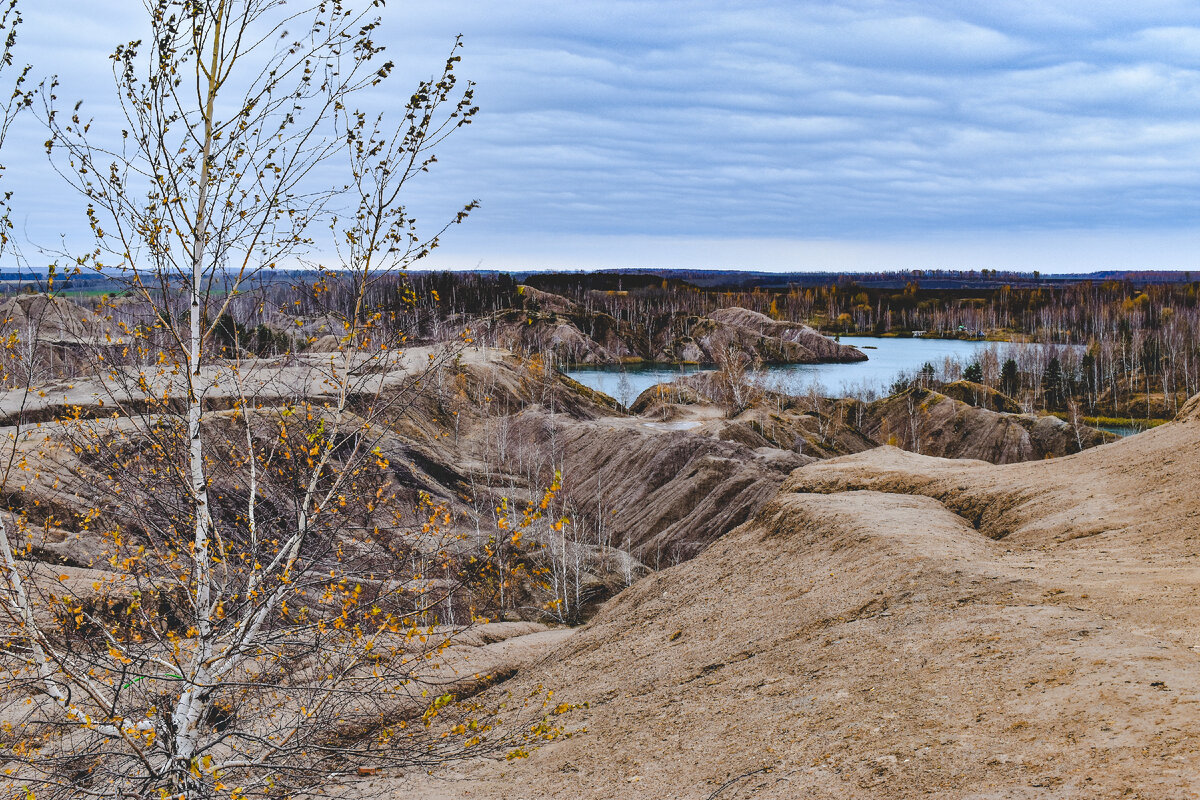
x: 556, y: 326
x: 892, y: 625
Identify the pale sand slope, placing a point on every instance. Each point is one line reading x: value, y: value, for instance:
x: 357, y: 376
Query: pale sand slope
x: 860, y: 638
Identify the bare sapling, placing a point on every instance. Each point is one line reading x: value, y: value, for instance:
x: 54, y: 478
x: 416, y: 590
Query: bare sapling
x: 735, y: 379
x: 255, y: 600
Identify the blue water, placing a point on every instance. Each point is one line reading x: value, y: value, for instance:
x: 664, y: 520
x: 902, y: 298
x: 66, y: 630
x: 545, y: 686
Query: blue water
x: 1120, y: 430
x: 886, y: 358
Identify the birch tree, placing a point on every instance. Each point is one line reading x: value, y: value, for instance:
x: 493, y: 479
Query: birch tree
x: 256, y: 609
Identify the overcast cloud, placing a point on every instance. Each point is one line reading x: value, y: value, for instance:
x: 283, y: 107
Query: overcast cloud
x: 774, y: 134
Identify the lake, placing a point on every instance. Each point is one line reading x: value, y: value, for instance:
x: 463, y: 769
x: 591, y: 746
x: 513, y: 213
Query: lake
x: 887, y: 357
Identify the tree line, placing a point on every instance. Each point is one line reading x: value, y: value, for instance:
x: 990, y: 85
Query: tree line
x: 1118, y: 348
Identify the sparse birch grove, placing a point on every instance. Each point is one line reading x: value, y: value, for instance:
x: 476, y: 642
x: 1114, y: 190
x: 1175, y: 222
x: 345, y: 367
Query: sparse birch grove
x: 259, y: 606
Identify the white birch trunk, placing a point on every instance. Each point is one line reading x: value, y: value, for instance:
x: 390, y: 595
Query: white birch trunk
x: 193, y: 700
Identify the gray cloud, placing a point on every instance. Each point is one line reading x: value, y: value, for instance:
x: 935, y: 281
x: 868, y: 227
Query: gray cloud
x: 844, y: 121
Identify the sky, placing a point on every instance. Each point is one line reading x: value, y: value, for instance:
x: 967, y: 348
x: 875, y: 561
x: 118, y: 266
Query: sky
x: 1058, y: 135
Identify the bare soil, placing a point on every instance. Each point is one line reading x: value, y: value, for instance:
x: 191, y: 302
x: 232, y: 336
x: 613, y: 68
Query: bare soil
x: 897, y: 626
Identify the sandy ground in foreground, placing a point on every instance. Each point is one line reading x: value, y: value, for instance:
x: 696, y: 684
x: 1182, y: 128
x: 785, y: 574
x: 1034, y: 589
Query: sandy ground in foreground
x: 896, y: 626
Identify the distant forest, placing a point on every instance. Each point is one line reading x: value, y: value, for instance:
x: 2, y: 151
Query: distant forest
x: 1122, y: 344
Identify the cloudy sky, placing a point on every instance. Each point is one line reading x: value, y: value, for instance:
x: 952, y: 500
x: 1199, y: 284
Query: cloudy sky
x: 1059, y: 135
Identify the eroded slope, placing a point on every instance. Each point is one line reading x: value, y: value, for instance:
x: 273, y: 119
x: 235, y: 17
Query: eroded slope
x: 895, y: 626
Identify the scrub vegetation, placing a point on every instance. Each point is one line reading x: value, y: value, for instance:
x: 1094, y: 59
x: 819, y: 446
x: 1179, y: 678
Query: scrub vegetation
x: 281, y: 517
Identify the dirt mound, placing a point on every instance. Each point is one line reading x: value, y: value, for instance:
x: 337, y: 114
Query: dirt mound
x: 899, y: 626
x: 980, y: 396
x: 537, y: 300
x: 51, y: 319
x: 933, y: 423
x: 492, y: 425
x: 558, y: 334
x: 916, y: 419
x: 664, y: 493
x: 556, y: 326
x: 1190, y: 411
x: 662, y: 395
x: 819, y: 346
x: 767, y: 340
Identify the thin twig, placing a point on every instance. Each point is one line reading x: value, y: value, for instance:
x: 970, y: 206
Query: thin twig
x: 732, y: 781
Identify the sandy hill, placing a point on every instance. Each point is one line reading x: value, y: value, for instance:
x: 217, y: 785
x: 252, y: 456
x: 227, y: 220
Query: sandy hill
x: 885, y: 625
x: 897, y: 626
x: 977, y: 394
x: 770, y: 341
x: 489, y: 424
x: 665, y: 493
x: 51, y: 319
x: 813, y: 346
x: 966, y: 423
x: 961, y: 422
x: 554, y: 325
